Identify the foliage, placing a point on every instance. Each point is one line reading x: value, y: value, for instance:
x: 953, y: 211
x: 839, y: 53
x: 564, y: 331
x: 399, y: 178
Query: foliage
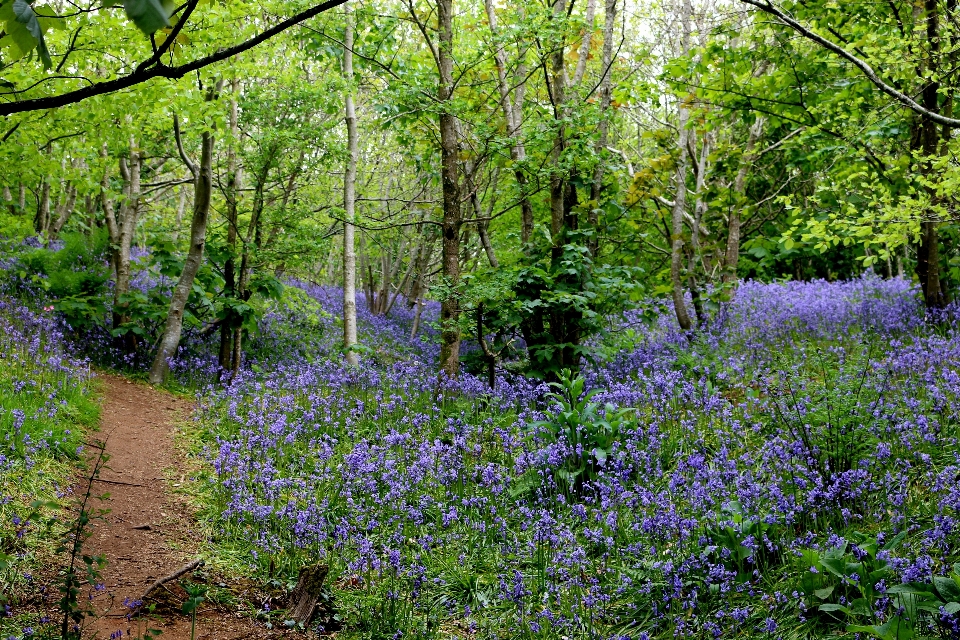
x: 588, y: 432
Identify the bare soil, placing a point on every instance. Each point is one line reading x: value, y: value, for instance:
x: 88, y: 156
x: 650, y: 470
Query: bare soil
x: 150, y: 530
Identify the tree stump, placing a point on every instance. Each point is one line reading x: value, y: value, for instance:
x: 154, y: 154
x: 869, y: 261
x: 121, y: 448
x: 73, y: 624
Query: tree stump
x: 303, y: 598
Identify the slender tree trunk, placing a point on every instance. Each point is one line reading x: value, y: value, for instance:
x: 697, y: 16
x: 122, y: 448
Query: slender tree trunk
x: 676, y: 227
x: 178, y: 218
x: 606, y: 99
x: 109, y: 213
x: 680, y: 182
x: 90, y: 208
x: 928, y: 254
x: 470, y: 183
x: 64, y: 209
x: 449, y: 151
x: 203, y: 188
x: 41, y: 221
x: 512, y: 107
x: 129, y: 214
x: 732, y: 254
x: 232, y: 194
x: 349, y: 203
x: 700, y: 210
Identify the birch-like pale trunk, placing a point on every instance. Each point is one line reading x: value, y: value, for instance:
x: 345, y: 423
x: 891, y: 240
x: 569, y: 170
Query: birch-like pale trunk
x: 512, y: 107
x: 203, y: 188
x: 349, y: 203
x: 680, y: 181
x: 676, y: 219
x: 732, y: 254
x: 127, y: 217
x: 699, y: 212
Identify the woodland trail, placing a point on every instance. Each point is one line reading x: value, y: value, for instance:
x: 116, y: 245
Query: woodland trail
x: 149, y: 531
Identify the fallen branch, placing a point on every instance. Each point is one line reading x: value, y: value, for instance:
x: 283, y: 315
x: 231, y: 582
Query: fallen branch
x: 187, y: 568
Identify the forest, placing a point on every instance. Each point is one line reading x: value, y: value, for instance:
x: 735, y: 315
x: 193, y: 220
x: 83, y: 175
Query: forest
x: 560, y: 319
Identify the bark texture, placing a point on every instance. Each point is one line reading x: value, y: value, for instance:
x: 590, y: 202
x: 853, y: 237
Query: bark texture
x: 349, y: 203
x: 203, y: 188
x: 449, y: 152
x: 732, y: 254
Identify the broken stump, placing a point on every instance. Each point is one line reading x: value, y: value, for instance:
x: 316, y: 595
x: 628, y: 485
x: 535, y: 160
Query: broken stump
x: 303, y: 598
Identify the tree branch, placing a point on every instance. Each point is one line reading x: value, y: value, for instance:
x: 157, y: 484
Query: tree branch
x: 768, y: 7
x: 160, y: 70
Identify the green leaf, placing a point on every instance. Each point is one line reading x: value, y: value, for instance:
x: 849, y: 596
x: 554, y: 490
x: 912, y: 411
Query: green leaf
x: 148, y: 15
x: 836, y: 566
x: 948, y: 589
x: 913, y: 588
x: 834, y: 607
x: 894, y: 629
x: 26, y: 16
x: 600, y: 455
x: 527, y: 482
x: 824, y: 593
x: 895, y: 541
x: 951, y: 608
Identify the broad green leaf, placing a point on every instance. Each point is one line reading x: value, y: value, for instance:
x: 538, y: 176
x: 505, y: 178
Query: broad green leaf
x: 824, y: 593
x: 947, y: 588
x: 834, y: 607
x: 148, y: 15
x: 26, y: 16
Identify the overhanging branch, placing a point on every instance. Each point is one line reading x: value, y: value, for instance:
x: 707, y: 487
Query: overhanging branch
x: 160, y: 70
x: 768, y: 7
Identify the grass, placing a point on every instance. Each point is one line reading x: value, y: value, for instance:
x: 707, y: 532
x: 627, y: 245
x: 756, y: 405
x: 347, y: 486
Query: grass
x: 48, y: 406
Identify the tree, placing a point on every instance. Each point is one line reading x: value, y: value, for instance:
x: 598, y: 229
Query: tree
x: 202, y: 192
x: 349, y: 202
x: 934, y: 80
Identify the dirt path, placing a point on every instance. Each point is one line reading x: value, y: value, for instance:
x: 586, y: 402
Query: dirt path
x: 149, y: 532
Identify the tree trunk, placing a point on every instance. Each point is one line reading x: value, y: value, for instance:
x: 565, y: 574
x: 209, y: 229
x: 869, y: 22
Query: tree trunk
x: 126, y: 226
x: 606, y: 99
x: 64, y: 209
x: 732, y: 253
x: 449, y: 152
x: 512, y: 107
x: 234, y: 186
x: 349, y: 204
x: 41, y: 221
x: 928, y: 253
x: 699, y: 211
x: 680, y: 199
x: 198, y: 231
x: 178, y: 218
x: 676, y: 227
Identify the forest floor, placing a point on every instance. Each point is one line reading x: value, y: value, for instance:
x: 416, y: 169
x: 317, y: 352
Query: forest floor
x: 150, y: 530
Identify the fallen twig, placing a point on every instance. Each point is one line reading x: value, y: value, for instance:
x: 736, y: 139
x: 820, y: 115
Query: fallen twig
x: 187, y: 568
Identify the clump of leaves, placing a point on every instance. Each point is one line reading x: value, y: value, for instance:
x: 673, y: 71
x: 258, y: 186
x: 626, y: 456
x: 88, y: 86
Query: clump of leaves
x: 589, y: 431
x: 848, y: 581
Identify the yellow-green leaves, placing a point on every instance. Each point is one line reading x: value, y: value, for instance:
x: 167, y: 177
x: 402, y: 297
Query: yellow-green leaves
x: 149, y: 15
